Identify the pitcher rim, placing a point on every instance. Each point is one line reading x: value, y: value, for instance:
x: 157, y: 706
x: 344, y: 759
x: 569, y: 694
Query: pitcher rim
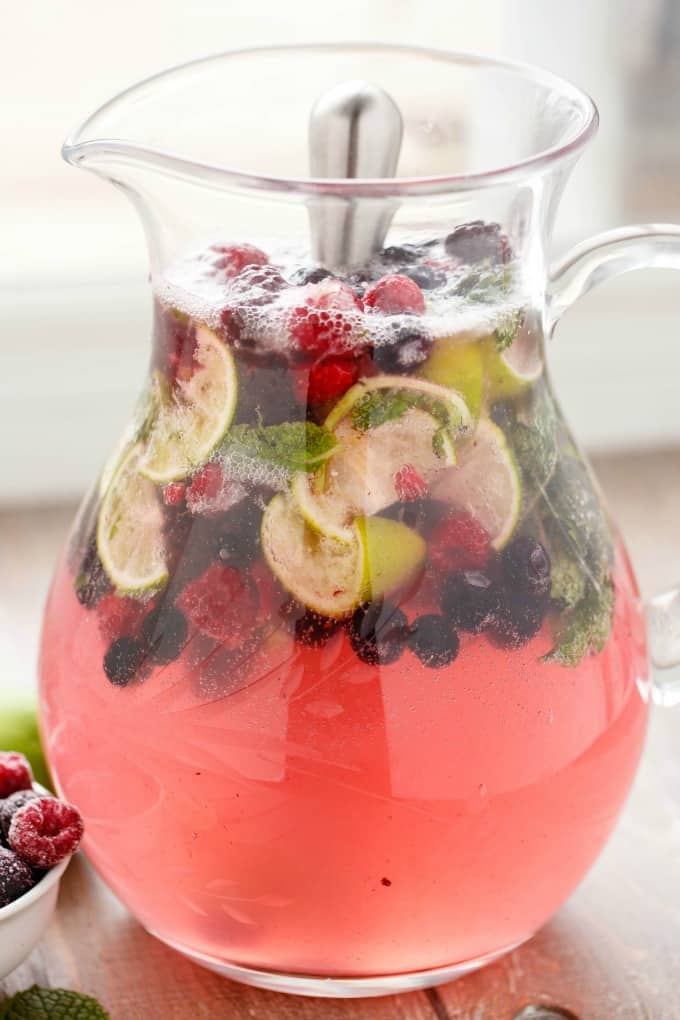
x: 77, y: 151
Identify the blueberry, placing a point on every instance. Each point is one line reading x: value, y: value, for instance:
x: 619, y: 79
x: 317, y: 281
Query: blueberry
x: 434, y: 641
x: 378, y: 632
x: 91, y: 582
x: 513, y: 625
x: 16, y: 878
x: 313, y: 629
x: 409, y: 347
x: 526, y: 567
x: 164, y: 633
x: 315, y: 275
x: 477, y: 240
x: 427, y: 277
x: 470, y: 600
x: 123, y: 659
x: 9, y: 807
x: 400, y: 254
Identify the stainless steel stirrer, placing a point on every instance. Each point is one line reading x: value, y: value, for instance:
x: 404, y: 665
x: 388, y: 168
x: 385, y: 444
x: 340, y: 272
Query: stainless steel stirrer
x: 355, y: 130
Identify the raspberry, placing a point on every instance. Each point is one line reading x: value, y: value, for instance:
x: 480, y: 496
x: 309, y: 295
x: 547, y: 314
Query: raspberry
x: 221, y: 603
x: 118, y: 615
x: 207, y: 483
x: 174, y: 343
x: 10, y: 806
x: 45, y: 832
x: 409, y: 485
x: 15, y: 773
x: 434, y: 641
x: 459, y: 542
x: 322, y: 323
x: 235, y: 257
x: 395, y: 294
x: 174, y: 493
x: 16, y: 878
x: 210, y: 493
x: 327, y: 379
x: 123, y: 659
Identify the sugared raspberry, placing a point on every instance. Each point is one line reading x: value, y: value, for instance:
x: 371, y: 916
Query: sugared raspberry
x: 45, y: 831
x: 459, y: 542
x: 235, y: 257
x: 16, y: 878
x: 15, y: 773
x: 221, y: 603
x: 324, y: 322
x: 9, y: 807
x: 395, y: 294
x: 174, y: 493
x: 118, y: 615
x: 327, y: 379
x: 408, y: 484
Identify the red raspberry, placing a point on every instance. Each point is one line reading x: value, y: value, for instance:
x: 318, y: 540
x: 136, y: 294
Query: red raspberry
x: 45, y: 831
x: 322, y: 324
x: 221, y: 603
x: 15, y: 773
x: 459, y: 542
x: 119, y: 616
x: 327, y: 379
x: 235, y: 257
x: 206, y: 484
x: 409, y: 485
x: 394, y: 294
x: 174, y: 493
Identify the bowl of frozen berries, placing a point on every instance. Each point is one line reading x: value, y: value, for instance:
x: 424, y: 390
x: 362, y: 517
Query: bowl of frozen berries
x: 38, y: 836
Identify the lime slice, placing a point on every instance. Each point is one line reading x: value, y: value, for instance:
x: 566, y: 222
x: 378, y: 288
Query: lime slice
x: 326, y: 512
x: 485, y: 482
x: 460, y: 419
x: 333, y: 577
x: 130, y: 530
x: 458, y: 364
x: 192, y: 420
x: 512, y: 370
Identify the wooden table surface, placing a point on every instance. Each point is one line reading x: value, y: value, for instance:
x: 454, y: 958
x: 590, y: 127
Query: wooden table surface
x: 612, y: 953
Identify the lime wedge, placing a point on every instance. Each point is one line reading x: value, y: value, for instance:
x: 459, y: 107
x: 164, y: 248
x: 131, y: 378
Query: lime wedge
x: 325, y: 511
x: 460, y: 419
x: 458, y: 364
x: 130, y: 530
x: 191, y: 421
x: 510, y: 371
x: 485, y: 482
x: 333, y: 577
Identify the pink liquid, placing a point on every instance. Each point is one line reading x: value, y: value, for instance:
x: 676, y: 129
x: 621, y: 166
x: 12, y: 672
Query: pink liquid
x: 341, y: 819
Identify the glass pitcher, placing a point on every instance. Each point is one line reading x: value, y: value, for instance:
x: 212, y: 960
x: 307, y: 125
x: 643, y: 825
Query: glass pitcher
x: 344, y: 662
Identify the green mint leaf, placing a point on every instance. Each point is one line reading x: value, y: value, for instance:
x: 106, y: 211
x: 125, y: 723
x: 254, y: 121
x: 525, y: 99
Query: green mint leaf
x: 51, y: 1004
x: 380, y: 406
x: 586, y: 627
x: 531, y: 428
x: 506, y: 332
x: 485, y: 282
x: 293, y: 445
x: 568, y: 583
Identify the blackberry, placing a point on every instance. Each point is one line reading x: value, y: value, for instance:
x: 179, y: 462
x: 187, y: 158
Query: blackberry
x: 9, y: 807
x: 258, y: 285
x: 470, y: 600
x: 313, y: 629
x: 419, y: 515
x: 427, y: 277
x: 526, y: 567
x: 123, y: 660
x: 91, y: 581
x: 16, y: 878
x: 409, y: 347
x: 400, y: 254
x: 315, y: 275
x: 434, y: 640
x: 477, y: 240
x: 164, y: 634
x: 514, y: 625
x: 378, y: 632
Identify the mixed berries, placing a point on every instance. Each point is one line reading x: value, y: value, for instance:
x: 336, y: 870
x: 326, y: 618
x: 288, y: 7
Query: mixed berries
x: 37, y: 831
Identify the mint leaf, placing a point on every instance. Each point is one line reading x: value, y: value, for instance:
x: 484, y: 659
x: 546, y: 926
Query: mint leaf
x: 485, y: 282
x: 293, y: 445
x: 506, y: 332
x: 586, y: 627
x: 51, y: 1004
x: 380, y: 406
x: 568, y: 583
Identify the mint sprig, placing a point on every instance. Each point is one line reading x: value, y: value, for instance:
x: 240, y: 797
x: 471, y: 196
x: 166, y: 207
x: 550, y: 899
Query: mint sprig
x: 586, y: 628
x: 506, y: 331
x: 293, y: 445
x: 51, y: 1004
x: 380, y: 406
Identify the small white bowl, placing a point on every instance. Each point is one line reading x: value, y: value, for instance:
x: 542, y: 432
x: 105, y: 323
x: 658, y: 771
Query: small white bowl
x: 23, y: 923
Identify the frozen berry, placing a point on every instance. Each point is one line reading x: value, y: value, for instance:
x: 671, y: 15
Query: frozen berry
x: 45, y: 832
x: 123, y: 660
x: 395, y: 295
x: 257, y: 285
x: 458, y: 542
x: 400, y: 254
x: 91, y: 582
x: 427, y: 277
x: 15, y: 773
x: 16, y: 877
x: 472, y: 242
x: 10, y: 806
x: 526, y: 567
x: 328, y: 379
x: 222, y: 603
x: 433, y: 639
x: 323, y: 322
x: 314, y: 629
x: 516, y: 622
x: 233, y: 258
x: 470, y: 599
x: 118, y: 615
x: 314, y: 275
x: 420, y: 514
x: 378, y: 632
x: 408, y: 347
x: 409, y: 485
x: 174, y: 493
x: 164, y: 633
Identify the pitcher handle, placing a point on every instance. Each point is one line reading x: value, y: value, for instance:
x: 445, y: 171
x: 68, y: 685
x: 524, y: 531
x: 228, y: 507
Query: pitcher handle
x: 589, y: 264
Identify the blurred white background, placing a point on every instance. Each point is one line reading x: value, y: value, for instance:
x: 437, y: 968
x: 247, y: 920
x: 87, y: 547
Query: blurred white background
x: 73, y: 294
